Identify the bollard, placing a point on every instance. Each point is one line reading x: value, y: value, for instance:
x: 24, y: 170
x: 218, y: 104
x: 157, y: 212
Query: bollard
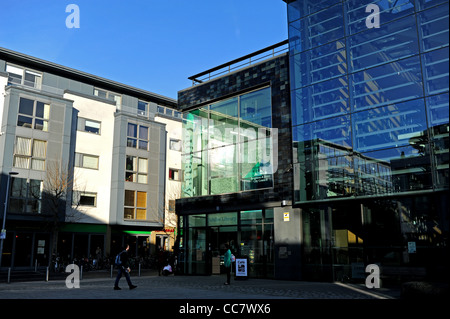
x: 9, y: 275
x: 112, y: 267
x: 139, y: 270
x: 81, y: 272
x: 46, y: 275
x: 35, y: 266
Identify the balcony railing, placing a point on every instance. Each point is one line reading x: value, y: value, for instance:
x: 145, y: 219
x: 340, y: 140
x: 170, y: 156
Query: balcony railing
x: 241, y: 62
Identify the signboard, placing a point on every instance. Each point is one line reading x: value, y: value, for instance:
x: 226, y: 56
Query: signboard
x: 286, y: 216
x: 3, y: 234
x: 241, y: 267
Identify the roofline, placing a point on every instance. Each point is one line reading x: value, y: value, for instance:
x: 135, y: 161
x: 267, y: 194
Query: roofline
x: 242, y: 58
x: 53, y: 68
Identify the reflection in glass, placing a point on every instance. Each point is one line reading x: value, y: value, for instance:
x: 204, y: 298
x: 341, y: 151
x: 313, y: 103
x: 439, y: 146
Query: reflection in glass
x: 389, y: 126
x: 228, y: 151
x: 387, y: 84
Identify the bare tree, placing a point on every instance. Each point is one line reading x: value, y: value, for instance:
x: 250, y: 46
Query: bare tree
x: 56, y: 199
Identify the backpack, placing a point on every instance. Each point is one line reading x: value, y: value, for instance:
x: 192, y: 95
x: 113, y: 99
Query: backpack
x: 118, y: 261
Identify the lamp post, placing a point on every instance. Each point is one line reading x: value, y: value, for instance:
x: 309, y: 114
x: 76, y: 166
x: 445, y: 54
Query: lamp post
x: 3, y: 232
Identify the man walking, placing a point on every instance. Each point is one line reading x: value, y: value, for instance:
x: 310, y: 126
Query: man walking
x: 122, y: 264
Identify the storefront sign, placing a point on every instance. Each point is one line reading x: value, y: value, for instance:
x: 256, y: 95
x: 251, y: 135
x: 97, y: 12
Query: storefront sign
x: 241, y: 267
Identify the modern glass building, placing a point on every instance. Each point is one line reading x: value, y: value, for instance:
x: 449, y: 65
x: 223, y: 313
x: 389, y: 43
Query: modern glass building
x: 370, y: 125
x: 237, y: 149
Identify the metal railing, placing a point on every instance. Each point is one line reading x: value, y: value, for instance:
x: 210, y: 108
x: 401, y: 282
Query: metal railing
x: 247, y: 60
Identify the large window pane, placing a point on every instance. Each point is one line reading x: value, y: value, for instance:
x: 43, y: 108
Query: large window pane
x: 223, y: 130
x: 90, y: 161
x: 322, y: 63
x: 129, y: 198
x: 322, y: 27
x: 39, y: 148
x: 255, y: 107
x: 228, y: 107
x: 435, y: 64
x: 389, y: 10
x: 390, y: 126
x: 332, y: 131
x: 26, y: 106
x: 143, y: 132
x: 223, y: 169
x: 387, y: 84
x: 132, y: 130
x: 381, y: 45
x: 434, y: 26
x: 143, y: 165
x: 141, y: 199
x: 439, y: 129
x: 320, y: 101
x: 393, y: 170
x: 23, y: 146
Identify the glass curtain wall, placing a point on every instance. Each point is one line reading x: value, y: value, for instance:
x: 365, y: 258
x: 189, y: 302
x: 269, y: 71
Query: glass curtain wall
x: 370, y: 119
x: 228, y: 146
x: 369, y: 105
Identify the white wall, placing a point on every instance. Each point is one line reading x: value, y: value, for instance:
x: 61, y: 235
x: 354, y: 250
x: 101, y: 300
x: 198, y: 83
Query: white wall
x: 173, y: 160
x: 90, y: 180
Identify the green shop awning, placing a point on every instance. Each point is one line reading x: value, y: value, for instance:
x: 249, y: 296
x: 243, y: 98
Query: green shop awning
x: 84, y: 228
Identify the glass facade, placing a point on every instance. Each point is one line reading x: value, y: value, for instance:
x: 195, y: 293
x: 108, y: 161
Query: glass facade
x: 370, y: 125
x: 370, y: 105
x: 228, y: 146
x: 249, y: 233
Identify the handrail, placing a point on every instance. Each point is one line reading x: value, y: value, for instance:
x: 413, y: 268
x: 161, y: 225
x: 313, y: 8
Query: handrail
x: 227, y: 67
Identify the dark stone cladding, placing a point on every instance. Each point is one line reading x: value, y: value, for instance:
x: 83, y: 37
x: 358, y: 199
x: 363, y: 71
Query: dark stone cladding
x: 273, y: 72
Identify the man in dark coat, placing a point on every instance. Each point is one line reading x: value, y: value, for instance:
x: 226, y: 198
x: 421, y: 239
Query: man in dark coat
x: 124, y: 269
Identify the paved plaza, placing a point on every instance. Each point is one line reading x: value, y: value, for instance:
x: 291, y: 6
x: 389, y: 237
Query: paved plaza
x: 152, y: 286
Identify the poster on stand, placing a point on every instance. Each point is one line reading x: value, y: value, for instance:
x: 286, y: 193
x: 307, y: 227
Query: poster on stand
x: 241, y: 267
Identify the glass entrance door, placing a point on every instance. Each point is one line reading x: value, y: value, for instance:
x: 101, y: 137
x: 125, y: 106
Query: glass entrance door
x: 197, y: 255
x: 218, y: 237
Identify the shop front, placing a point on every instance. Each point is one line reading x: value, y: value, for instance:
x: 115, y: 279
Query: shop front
x: 249, y: 233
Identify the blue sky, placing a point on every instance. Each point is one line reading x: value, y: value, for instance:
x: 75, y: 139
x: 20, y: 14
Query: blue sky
x: 152, y: 45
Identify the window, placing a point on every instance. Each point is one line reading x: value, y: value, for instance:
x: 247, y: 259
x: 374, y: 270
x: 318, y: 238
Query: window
x: 25, y: 195
x: 84, y: 199
x: 29, y: 151
x: 137, y: 136
x: 33, y: 114
x: 175, y: 145
x: 86, y: 161
x: 135, y: 205
x: 142, y: 108
x: 136, y: 169
x: 90, y: 126
x: 108, y: 95
x: 174, y: 174
x: 21, y: 76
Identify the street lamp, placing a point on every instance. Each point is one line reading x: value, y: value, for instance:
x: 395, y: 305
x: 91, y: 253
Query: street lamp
x: 3, y: 231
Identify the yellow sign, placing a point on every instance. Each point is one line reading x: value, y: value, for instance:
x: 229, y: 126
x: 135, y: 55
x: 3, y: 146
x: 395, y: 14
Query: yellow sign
x: 286, y: 217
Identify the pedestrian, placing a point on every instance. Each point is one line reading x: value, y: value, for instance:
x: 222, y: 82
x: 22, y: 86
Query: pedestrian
x: 167, y: 270
x: 227, y: 263
x: 124, y: 269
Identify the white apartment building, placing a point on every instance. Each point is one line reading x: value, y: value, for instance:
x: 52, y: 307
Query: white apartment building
x: 104, y: 145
